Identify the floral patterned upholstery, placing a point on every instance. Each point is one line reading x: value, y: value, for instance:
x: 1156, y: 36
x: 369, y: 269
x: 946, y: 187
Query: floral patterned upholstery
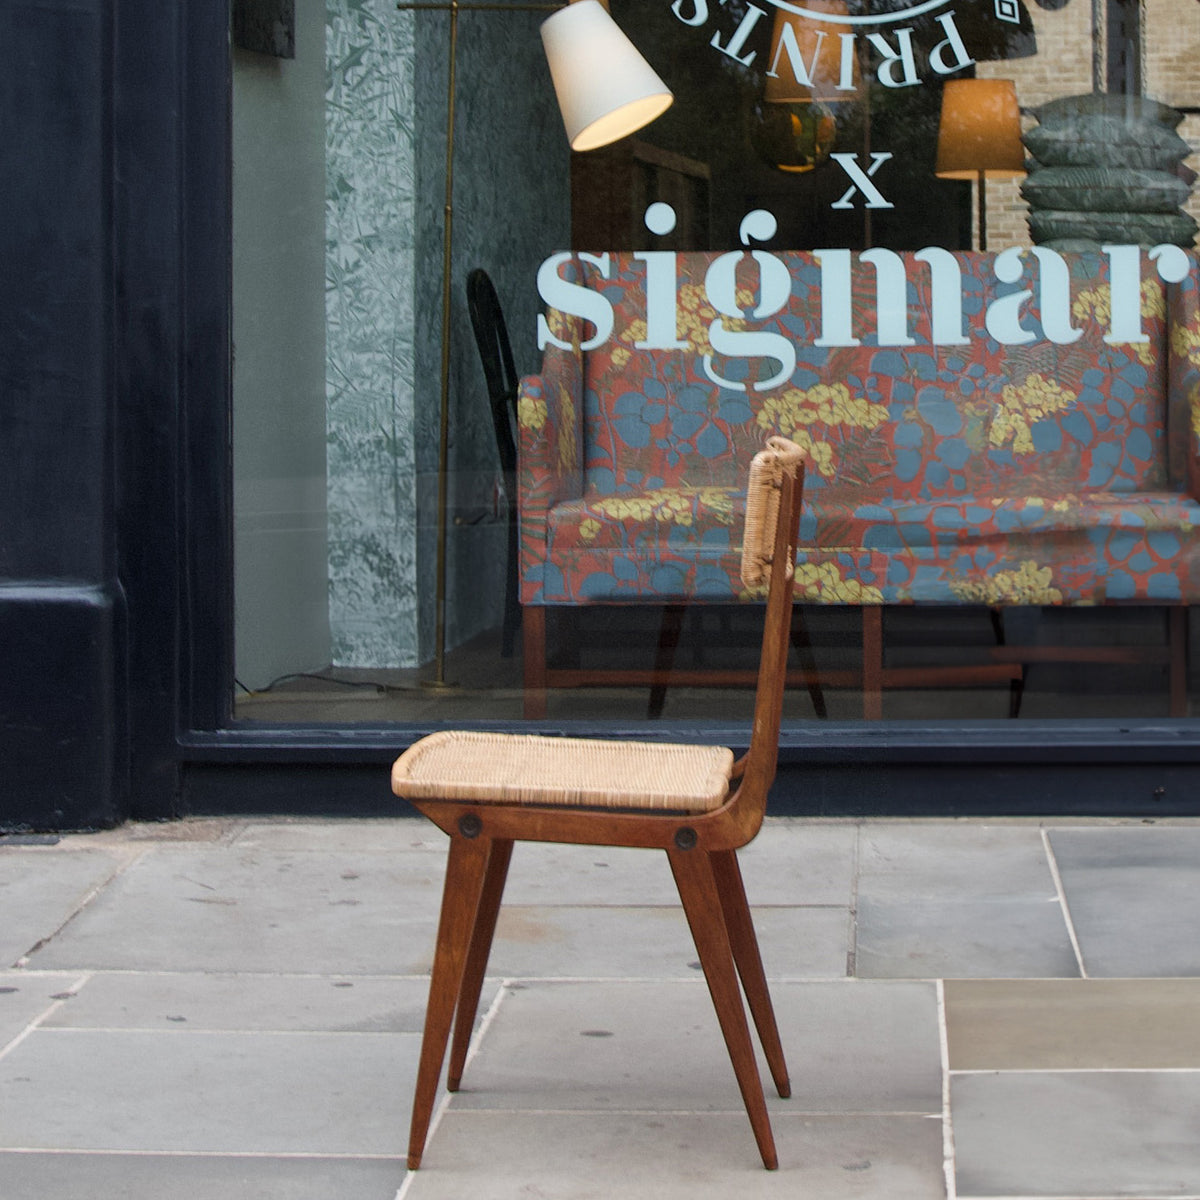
x: 1041, y: 473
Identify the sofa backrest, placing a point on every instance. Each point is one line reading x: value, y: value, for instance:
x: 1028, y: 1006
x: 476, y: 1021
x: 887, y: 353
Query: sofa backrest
x: 917, y: 376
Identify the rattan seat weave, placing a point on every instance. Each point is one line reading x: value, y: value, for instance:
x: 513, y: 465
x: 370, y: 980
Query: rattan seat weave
x: 501, y: 768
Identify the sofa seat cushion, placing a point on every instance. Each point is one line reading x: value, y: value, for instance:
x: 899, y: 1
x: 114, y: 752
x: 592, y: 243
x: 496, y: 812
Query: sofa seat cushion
x: 684, y: 543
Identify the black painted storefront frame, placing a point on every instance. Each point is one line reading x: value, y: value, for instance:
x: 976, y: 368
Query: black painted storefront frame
x: 116, y: 546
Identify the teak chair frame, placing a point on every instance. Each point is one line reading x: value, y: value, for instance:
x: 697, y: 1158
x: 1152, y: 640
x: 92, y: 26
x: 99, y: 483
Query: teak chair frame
x: 700, y: 846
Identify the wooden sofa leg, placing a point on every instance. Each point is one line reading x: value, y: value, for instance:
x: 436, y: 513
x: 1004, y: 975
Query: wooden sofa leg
x: 808, y: 663
x: 872, y: 662
x: 533, y: 646
x: 1177, y: 659
x: 669, y: 631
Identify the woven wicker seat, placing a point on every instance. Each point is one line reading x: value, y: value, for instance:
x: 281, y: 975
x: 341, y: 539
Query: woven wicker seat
x: 489, y: 790
x: 514, y: 769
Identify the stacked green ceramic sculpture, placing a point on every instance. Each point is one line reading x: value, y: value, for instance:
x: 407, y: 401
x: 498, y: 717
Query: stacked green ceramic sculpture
x: 1107, y: 169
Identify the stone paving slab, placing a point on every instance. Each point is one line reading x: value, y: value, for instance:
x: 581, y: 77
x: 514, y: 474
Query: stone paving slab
x: 962, y: 900
x: 208, y: 1092
x: 1072, y: 1024
x: 969, y: 939
x: 228, y: 908
x: 44, y: 1176
x: 26, y: 997
x: 41, y: 886
x: 813, y: 865
x: 1093, y: 1134
x: 676, y: 1156
x: 851, y: 1047
x: 266, y: 1003
x: 655, y: 942
x: 1132, y: 894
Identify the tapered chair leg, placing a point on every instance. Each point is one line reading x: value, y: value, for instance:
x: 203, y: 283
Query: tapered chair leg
x: 744, y: 943
x: 477, y: 957
x: 698, y: 891
x: 465, y: 871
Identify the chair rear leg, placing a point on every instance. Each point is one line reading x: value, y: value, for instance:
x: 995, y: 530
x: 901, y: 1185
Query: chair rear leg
x: 698, y: 891
x: 744, y: 943
x: 477, y: 957
x: 465, y: 870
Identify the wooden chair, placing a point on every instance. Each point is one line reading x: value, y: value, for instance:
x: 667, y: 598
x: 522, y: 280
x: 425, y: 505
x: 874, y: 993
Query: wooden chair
x: 487, y: 791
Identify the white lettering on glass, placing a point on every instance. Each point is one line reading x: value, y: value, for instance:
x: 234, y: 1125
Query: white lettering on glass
x: 1051, y: 283
x: 952, y: 43
x: 862, y: 180
x: 699, y: 12
x: 890, y: 59
x: 891, y: 297
x: 774, y: 291
x: 662, y: 310
x: 575, y: 300
x: 1003, y: 317
x: 740, y: 34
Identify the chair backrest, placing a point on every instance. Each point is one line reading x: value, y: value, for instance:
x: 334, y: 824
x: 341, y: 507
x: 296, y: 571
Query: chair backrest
x: 774, y: 496
x: 495, y: 352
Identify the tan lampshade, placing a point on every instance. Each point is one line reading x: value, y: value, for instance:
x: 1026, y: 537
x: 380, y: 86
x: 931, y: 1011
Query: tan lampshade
x: 980, y: 130
x: 605, y: 88
x: 820, y: 56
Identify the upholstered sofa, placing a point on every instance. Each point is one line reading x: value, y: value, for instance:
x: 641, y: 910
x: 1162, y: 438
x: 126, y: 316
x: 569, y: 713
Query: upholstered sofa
x: 1012, y: 429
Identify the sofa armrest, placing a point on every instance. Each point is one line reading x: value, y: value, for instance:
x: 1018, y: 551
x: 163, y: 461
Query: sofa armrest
x: 550, y: 444
x: 1183, y: 383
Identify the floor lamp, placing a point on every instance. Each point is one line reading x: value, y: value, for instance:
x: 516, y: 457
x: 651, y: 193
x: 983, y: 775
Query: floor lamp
x: 979, y: 136
x: 605, y: 90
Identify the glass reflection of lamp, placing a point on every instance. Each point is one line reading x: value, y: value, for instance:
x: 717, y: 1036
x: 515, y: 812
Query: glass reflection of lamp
x: 608, y: 91
x: 979, y: 136
x: 810, y: 69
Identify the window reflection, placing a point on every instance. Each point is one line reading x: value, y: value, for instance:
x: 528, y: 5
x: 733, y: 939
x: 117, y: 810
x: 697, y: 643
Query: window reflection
x: 336, y: 384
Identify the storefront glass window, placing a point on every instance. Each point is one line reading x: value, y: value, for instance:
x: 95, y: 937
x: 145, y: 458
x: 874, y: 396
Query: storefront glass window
x: 943, y: 244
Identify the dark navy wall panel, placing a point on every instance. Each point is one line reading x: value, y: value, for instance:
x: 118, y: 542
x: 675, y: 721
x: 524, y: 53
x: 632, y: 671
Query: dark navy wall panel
x: 62, y: 740
x: 54, y: 291
x: 62, y: 748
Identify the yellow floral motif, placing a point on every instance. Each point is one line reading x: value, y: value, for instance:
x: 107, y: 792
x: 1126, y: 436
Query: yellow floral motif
x: 694, y: 315
x: 1033, y: 502
x: 819, y: 454
x: 823, y: 404
x: 531, y: 413
x: 620, y: 356
x: 667, y: 506
x: 1185, y: 342
x: 823, y: 583
x: 1095, y: 305
x: 1029, y: 584
x: 563, y: 327
x: 588, y: 528
x: 1020, y: 407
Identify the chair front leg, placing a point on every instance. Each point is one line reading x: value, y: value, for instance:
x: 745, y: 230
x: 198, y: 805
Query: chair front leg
x: 701, y: 902
x: 466, y: 868
x: 477, y: 957
x: 744, y: 942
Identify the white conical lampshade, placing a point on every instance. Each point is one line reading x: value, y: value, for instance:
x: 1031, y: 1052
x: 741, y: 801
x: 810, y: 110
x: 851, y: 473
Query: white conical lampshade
x: 605, y: 88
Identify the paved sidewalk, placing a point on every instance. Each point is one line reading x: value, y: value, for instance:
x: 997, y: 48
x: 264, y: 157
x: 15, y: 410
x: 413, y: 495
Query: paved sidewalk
x: 232, y: 1009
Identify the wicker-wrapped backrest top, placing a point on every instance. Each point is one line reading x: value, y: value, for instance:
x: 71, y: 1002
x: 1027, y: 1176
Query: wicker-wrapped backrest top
x: 762, y: 506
